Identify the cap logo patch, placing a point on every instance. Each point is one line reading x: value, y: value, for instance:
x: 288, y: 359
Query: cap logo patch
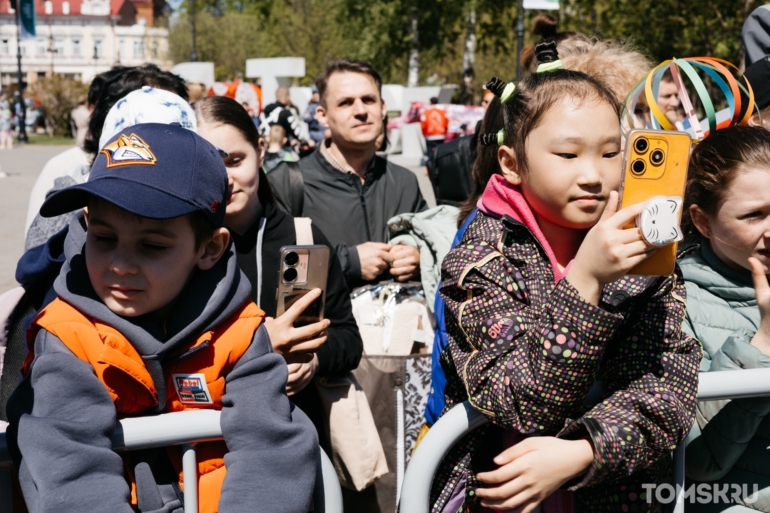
x: 129, y: 150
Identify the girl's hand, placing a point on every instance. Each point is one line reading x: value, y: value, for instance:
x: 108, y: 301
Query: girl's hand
x: 532, y: 470
x: 609, y: 250
x: 297, y: 345
x: 761, y: 339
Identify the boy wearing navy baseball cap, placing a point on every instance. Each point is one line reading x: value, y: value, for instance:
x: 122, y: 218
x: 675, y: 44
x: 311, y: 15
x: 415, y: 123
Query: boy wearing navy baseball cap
x: 152, y: 315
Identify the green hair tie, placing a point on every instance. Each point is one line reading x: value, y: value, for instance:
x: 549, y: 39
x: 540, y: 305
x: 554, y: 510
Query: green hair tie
x: 501, y: 137
x: 550, y: 66
x: 510, y: 89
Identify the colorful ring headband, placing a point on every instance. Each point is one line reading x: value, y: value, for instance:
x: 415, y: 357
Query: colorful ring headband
x: 716, y: 70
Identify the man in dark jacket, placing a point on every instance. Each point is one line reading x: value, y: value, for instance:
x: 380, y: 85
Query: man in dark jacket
x: 347, y: 190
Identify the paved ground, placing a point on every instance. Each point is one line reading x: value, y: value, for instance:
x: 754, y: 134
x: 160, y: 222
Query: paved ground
x: 425, y: 187
x: 22, y: 165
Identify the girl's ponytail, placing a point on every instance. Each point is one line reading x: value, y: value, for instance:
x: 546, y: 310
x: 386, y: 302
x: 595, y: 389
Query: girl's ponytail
x: 496, y: 85
x: 497, y: 138
x: 547, y: 56
x: 545, y: 51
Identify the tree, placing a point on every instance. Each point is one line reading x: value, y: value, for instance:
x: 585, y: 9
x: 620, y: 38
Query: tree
x: 58, y: 96
x: 226, y: 40
x: 667, y: 28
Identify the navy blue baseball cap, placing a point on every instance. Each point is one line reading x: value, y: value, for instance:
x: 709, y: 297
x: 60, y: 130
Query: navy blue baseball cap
x: 152, y: 170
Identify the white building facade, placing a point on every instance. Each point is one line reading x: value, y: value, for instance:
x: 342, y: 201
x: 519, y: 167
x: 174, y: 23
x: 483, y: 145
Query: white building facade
x: 82, y: 38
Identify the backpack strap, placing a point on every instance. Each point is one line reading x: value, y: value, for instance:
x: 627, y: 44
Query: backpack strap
x: 302, y: 227
x: 296, y: 189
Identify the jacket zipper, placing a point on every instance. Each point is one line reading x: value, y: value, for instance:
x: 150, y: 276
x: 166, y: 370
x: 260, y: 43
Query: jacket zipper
x: 363, y: 207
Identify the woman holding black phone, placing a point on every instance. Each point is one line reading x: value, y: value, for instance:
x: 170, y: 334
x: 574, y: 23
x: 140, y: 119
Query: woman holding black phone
x: 259, y: 230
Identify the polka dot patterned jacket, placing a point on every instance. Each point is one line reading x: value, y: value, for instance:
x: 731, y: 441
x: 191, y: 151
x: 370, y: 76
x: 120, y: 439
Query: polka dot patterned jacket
x: 526, y: 351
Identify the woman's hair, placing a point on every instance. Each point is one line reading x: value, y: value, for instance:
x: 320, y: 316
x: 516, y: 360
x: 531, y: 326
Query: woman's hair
x: 538, y: 92
x: 109, y: 87
x: 546, y: 27
x: 715, y: 163
x: 220, y: 110
x: 485, y: 165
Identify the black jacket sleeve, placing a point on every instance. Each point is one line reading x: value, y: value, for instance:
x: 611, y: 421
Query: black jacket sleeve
x: 347, y: 256
x: 273, y: 446
x: 62, y: 418
x: 343, y: 348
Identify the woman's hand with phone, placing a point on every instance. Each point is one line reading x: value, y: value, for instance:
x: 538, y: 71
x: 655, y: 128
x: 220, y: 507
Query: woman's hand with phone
x: 608, y: 251
x: 297, y: 345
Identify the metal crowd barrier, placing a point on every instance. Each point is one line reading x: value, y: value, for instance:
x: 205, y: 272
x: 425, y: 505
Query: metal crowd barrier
x: 186, y: 429
x: 463, y: 418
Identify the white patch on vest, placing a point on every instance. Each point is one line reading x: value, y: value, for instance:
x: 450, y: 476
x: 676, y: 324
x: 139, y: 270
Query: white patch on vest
x: 192, y: 388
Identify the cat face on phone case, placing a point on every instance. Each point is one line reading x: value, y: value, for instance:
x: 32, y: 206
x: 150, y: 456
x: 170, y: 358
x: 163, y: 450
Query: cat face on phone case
x: 659, y: 222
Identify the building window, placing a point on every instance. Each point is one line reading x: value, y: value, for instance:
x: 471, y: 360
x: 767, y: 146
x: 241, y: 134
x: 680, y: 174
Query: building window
x: 65, y: 8
x: 121, y: 49
x: 4, y: 48
x: 138, y: 48
x: 41, y: 48
x: 58, y: 46
x: 48, y: 7
x: 98, y: 48
x: 76, y: 47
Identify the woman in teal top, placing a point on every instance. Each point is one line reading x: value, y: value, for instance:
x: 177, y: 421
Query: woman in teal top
x: 727, y: 211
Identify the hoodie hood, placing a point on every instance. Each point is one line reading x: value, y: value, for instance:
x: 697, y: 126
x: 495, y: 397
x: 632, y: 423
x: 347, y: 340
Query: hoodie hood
x: 502, y: 199
x: 706, y: 270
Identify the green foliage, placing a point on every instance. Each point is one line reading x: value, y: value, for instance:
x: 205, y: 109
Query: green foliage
x: 230, y: 31
x: 307, y: 28
x: 226, y: 40
x: 666, y: 28
x: 58, y: 96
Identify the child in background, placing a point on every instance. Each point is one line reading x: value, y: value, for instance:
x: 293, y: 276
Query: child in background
x: 539, y: 312
x: 153, y: 315
x: 277, y: 149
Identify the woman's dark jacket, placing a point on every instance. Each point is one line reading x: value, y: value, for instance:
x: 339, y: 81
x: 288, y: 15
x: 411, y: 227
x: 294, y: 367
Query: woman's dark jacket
x: 343, y: 348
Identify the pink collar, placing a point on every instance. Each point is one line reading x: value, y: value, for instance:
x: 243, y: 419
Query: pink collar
x: 500, y: 198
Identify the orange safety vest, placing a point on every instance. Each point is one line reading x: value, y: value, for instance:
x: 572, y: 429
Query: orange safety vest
x: 434, y: 122
x: 194, y: 382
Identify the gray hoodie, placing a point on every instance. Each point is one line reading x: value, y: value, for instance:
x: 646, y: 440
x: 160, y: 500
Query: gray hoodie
x: 62, y: 417
x: 756, y: 34
x: 730, y: 441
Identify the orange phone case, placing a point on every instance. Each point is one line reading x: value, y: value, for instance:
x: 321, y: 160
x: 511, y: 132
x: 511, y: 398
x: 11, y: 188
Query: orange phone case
x: 666, y: 178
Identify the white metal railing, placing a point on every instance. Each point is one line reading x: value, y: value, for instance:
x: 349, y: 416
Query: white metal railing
x: 188, y: 428
x: 463, y: 418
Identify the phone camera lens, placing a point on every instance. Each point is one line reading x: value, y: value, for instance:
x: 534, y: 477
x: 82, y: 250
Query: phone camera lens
x: 638, y: 167
x: 656, y: 157
x: 290, y: 274
x: 291, y: 258
x: 641, y: 145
